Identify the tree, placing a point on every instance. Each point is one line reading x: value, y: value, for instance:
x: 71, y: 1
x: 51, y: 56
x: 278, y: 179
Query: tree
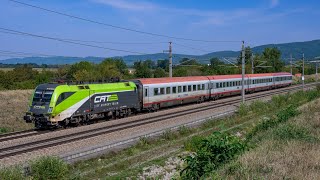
x: 159, y: 72
x: 142, y: 69
x: 109, y: 69
x: 83, y: 66
x: 164, y: 64
x: 272, y: 56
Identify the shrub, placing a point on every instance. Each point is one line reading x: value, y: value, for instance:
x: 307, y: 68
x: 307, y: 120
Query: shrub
x: 48, y: 168
x: 213, y: 151
x: 193, y: 144
x: 13, y: 173
x: 3, y: 130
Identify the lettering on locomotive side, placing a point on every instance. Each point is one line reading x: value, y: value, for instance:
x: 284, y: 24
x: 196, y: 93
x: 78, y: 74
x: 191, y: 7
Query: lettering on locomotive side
x: 105, y: 98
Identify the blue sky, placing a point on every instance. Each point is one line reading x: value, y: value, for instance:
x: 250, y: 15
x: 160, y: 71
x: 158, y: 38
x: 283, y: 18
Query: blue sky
x: 255, y: 21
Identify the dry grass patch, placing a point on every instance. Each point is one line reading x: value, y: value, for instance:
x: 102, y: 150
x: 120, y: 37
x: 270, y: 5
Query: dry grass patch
x: 288, y: 151
x: 13, y: 105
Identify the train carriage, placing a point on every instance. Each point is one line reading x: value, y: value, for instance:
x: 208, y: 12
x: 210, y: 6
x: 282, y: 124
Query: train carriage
x: 165, y: 92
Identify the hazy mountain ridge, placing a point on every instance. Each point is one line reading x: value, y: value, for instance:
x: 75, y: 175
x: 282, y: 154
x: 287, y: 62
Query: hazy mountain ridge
x: 310, y: 48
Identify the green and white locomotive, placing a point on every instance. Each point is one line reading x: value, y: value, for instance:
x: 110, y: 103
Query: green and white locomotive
x: 60, y: 105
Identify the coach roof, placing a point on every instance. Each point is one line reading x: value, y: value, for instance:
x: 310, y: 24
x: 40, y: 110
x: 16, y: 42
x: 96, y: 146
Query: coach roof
x: 172, y: 80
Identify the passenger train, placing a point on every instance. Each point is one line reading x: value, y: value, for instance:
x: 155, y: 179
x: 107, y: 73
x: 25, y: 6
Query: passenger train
x: 60, y: 105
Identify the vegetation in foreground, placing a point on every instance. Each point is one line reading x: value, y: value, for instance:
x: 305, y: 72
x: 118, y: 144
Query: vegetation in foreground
x: 265, y: 139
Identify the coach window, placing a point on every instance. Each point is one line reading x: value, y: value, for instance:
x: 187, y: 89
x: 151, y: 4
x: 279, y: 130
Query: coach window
x: 199, y: 88
x: 161, y: 91
x: 168, y: 90
x: 156, y: 91
x: 184, y: 88
x: 203, y: 86
x: 194, y: 88
x: 174, y: 90
x: 189, y: 88
x: 179, y: 89
x: 217, y: 85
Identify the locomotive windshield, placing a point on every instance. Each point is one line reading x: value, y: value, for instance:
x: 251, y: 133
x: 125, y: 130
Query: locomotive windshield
x: 42, y: 96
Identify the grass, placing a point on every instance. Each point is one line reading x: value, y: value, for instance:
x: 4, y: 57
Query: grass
x: 287, y: 151
x: 13, y: 105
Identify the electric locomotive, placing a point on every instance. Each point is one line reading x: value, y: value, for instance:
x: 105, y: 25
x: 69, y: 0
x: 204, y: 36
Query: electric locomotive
x: 56, y: 105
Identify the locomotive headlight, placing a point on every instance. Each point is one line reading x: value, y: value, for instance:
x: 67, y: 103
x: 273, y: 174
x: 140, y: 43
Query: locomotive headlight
x: 50, y: 109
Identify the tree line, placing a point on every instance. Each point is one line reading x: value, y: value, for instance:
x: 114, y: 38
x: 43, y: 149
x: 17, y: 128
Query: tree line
x: 25, y: 77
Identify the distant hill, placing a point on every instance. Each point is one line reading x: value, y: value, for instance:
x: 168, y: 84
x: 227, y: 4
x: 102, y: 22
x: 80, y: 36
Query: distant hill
x: 310, y: 48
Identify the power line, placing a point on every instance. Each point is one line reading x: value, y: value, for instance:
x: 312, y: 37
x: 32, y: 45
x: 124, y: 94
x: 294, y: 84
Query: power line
x: 114, y: 26
x: 67, y: 41
x: 99, y: 42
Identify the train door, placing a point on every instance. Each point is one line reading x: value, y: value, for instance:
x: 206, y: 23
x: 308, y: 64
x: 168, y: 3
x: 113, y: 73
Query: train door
x: 146, y: 94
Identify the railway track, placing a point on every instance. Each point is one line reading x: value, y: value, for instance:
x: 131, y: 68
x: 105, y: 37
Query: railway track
x: 59, y: 140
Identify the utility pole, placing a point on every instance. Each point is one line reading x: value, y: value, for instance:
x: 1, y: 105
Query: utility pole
x: 170, y: 59
x: 316, y: 71
x: 243, y: 72
x: 291, y: 64
x: 302, y: 71
x: 252, y: 64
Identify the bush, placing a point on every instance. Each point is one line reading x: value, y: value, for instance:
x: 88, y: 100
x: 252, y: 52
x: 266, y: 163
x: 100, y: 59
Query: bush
x: 212, y: 152
x: 48, y: 168
x: 193, y: 144
x: 3, y: 130
x: 13, y: 173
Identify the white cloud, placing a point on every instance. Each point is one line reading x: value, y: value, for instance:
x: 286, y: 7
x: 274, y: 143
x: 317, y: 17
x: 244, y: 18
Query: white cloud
x: 128, y: 5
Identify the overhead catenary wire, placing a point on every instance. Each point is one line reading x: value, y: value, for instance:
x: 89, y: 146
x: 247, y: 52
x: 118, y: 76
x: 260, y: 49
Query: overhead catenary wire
x: 66, y: 41
x: 120, y: 27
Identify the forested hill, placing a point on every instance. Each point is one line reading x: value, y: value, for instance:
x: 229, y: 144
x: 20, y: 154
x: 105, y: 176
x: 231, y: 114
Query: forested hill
x: 310, y: 48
